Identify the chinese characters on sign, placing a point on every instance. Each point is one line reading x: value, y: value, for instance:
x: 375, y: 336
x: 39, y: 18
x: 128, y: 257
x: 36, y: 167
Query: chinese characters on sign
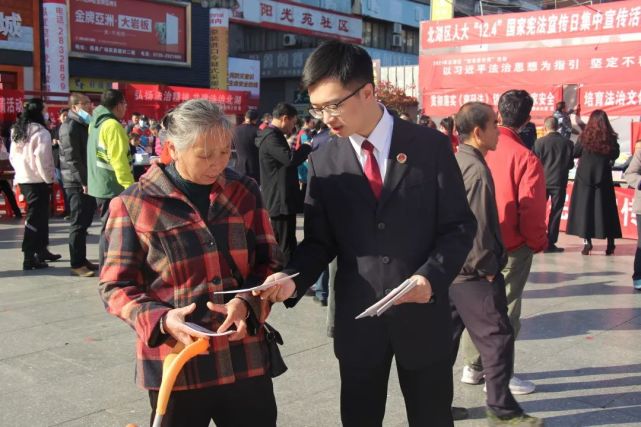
x: 218, y: 47
x: 244, y: 75
x: 448, y: 101
x: 54, y: 17
x: 10, y: 104
x: 579, y: 64
x: 10, y: 25
x: 300, y: 19
x: 147, y: 31
x: 162, y: 98
x: 596, y: 20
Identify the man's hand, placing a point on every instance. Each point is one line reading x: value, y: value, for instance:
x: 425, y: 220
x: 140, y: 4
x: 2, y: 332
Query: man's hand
x: 236, y: 311
x: 421, y: 293
x: 277, y: 293
x: 175, y: 324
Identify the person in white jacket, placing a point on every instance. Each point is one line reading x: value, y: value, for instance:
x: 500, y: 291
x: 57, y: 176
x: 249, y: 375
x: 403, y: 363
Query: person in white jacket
x: 32, y: 159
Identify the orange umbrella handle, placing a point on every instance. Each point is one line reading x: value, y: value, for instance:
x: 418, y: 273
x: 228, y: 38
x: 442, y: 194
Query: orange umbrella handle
x: 171, y: 366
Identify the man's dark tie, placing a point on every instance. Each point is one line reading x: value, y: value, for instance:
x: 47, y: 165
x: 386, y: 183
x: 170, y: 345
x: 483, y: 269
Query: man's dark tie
x: 372, y: 172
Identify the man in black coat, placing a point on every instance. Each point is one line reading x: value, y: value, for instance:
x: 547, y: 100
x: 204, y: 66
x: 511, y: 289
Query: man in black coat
x: 245, y: 144
x: 74, y: 133
x: 387, y: 199
x: 555, y: 152
x: 279, y: 174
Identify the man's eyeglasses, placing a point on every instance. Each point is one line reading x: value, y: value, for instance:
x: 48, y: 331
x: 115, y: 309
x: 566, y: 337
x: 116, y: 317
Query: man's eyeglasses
x: 333, y: 109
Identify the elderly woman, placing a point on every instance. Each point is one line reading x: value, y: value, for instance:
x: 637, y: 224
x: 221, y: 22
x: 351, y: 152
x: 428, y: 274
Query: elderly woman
x: 183, y: 232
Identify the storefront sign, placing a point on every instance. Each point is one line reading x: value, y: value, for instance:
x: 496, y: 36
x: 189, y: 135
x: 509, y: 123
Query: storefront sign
x: 16, y: 25
x: 596, y: 20
x: 54, y: 18
x: 299, y: 19
x: 88, y: 84
x: 155, y: 100
x: 146, y: 31
x: 244, y: 75
x: 218, y: 47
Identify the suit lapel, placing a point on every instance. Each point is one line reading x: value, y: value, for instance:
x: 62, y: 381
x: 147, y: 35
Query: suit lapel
x: 356, y: 181
x: 396, y: 170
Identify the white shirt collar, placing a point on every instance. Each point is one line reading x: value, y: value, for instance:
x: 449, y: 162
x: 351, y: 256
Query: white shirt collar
x: 381, y: 136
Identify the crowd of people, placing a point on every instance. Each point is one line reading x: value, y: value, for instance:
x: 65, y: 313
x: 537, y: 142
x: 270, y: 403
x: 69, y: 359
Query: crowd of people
x: 459, y: 210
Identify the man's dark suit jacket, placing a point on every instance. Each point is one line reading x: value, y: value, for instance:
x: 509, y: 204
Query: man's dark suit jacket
x: 421, y: 225
x: 556, y: 154
x: 246, y: 151
x: 278, y: 171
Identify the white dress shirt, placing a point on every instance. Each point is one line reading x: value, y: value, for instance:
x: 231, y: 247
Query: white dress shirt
x: 381, y: 139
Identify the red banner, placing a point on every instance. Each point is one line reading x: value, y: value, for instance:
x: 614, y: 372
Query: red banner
x: 618, y: 62
x: 627, y: 217
x: 155, y: 100
x: 139, y: 30
x: 445, y: 102
x: 10, y: 104
x: 619, y: 17
x: 618, y: 99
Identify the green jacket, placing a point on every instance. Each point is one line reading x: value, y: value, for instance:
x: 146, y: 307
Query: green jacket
x: 108, y: 157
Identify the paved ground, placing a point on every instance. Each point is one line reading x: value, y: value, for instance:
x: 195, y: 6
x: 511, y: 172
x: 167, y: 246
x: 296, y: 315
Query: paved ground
x: 65, y: 362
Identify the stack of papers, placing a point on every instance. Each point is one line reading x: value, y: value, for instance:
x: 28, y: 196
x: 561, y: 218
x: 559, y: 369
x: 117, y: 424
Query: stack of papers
x: 205, y: 331
x: 386, y: 302
x: 262, y: 287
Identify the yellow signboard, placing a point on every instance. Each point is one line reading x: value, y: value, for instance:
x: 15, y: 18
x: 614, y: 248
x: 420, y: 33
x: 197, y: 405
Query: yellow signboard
x: 218, y: 47
x: 88, y: 84
x: 442, y: 9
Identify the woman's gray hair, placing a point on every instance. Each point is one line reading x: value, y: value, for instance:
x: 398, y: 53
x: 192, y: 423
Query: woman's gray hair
x: 193, y: 118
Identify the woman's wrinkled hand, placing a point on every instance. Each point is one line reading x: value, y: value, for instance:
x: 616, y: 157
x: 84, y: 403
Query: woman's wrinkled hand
x: 174, y: 325
x: 236, y: 311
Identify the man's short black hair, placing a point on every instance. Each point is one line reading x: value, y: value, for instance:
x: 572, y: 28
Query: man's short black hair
x: 347, y: 63
x: 515, y: 107
x: 284, y: 109
x: 560, y: 105
x: 251, y: 115
x: 470, y: 116
x: 136, y: 113
x: 111, y: 98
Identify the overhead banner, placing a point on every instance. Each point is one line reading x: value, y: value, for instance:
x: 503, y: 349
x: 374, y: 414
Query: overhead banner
x: 218, y: 47
x: 445, y: 102
x: 157, y: 99
x: 144, y: 31
x: 56, y: 63
x: 596, y: 20
x: 620, y: 62
x: 299, y: 19
x: 16, y: 25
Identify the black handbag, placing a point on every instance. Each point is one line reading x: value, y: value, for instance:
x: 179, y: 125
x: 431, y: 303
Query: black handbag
x: 272, y: 336
x: 276, y: 363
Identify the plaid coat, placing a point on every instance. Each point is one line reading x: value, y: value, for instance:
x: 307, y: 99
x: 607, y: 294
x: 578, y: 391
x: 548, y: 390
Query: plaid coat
x: 160, y: 254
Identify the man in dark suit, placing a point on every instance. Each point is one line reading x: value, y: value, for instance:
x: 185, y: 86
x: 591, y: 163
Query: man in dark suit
x: 279, y: 175
x: 556, y: 154
x: 245, y: 144
x: 387, y: 199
